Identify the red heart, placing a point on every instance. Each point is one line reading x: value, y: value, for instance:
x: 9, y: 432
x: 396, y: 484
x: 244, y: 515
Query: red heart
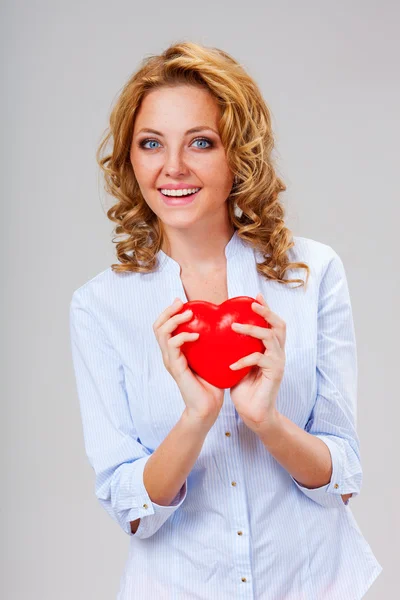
x: 218, y: 345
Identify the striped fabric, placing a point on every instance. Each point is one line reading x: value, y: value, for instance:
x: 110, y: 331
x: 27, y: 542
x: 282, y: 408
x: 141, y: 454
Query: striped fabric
x: 241, y: 526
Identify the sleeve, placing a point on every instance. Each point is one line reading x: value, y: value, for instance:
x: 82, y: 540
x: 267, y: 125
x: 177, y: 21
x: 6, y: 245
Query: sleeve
x: 113, y: 448
x: 334, y: 414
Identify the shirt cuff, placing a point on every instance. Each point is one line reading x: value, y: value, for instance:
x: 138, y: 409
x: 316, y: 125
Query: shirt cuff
x: 156, y: 514
x: 328, y: 495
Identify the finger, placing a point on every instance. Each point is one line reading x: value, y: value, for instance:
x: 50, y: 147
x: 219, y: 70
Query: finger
x: 168, y: 313
x: 174, y: 343
x: 256, y: 358
x: 263, y: 361
x: 262, y: 333
x: 163, y: 333
x: 172, y: 323
x: 264, y: 310
x: 178, y: 340
x: 260, y: 298
x: 276, y: 322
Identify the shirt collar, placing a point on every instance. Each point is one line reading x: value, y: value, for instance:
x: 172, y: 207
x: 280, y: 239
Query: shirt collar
x: 231, y: 249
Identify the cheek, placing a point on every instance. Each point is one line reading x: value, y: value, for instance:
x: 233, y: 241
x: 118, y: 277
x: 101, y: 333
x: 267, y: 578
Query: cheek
x: 143, y: 171
x: 217, y: 175
x: 143, y: 167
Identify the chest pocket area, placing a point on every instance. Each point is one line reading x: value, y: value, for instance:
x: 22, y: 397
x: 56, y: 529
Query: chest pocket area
x: 298, y: 387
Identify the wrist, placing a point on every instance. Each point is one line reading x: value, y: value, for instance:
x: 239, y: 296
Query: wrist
x: 271, y: 423
x: 197, y: 421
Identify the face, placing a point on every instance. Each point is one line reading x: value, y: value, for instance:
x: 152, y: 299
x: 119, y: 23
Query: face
x: 176, y: 156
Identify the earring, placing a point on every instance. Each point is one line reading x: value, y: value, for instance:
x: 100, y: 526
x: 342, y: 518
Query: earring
x: 238, y: 211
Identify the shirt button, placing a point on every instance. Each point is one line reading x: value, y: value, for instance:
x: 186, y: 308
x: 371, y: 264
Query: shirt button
x: 228, y: 433
x: 145, y: 506
x: 336, y: 486
x: 244, y: 579
x: 233, y: 483
x: 240, y: 532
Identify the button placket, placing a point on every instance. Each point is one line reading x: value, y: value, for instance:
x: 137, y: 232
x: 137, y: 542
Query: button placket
x: 228, y: 434
x: 234, y: 484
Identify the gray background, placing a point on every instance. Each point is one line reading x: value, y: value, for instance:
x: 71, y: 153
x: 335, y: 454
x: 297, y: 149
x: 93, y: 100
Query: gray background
x: 330, y: 75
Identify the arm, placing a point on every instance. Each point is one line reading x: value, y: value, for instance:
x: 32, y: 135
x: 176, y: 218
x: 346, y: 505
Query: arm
x: 167, y: 469
x: 112, y: 445
x: 173, y: 460
x: 304, y: 456
x: 325, y: 457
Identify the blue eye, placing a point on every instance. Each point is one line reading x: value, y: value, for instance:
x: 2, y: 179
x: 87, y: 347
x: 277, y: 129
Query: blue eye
x: 143, y: 143
x: 204, y: 140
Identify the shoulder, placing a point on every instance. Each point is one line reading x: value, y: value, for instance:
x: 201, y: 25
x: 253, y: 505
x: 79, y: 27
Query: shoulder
x: 96, y: 285
x: 312, y: 250
x: 316, y: 254
x: 115, y: 298
x: 99, y: 281
x: 119, y: 307
x: 326, y: 264
x: 105, y: 286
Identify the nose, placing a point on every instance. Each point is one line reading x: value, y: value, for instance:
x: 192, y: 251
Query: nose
x: 174, y: 164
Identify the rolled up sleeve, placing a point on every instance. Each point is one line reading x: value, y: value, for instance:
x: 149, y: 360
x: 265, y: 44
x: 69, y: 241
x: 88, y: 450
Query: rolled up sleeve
x: 334, y: 415
x: 113, y: 448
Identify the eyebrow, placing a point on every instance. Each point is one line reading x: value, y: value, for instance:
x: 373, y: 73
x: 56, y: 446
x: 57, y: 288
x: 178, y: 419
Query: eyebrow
x: 193, y: 130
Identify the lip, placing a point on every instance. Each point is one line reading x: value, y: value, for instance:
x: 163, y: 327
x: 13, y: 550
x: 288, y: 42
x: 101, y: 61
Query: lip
x: 178, y: 200
x: 177, y: 186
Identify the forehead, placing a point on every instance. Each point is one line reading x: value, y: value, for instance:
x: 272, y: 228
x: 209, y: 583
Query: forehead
x: 177, y: 107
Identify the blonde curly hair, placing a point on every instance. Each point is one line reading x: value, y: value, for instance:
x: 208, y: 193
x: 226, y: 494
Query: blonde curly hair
x: 246, y: 134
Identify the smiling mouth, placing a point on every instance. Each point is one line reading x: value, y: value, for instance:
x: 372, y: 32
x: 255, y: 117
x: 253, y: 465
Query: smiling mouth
x: 179, y: 200
x: 179, y: 196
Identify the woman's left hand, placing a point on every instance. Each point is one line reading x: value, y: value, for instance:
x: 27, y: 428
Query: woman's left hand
x: 255, y: 395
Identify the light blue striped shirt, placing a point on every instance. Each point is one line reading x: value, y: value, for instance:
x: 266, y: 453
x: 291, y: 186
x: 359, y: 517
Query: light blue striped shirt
x: 241, y: 526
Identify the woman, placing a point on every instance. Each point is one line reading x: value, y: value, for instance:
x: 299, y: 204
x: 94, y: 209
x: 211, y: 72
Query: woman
x: 242, y: 491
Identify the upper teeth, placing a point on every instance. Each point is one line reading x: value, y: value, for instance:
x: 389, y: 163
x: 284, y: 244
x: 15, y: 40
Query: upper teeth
x: 179, y: 192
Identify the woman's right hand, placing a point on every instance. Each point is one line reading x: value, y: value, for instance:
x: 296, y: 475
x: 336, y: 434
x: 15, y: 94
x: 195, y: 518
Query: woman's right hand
x: 203, y: 400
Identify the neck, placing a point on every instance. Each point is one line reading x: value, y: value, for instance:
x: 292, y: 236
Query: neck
x: 198, y: 252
